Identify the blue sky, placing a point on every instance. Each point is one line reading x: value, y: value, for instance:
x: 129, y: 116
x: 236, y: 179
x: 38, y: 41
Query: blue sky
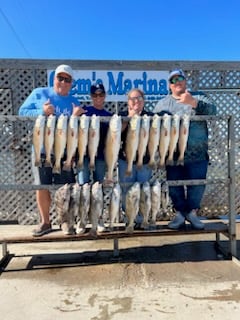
x: 206, y: 30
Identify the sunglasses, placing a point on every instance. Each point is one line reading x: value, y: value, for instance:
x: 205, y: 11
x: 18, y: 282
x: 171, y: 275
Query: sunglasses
x: 176, y: 79
x: 139, y: 98
x: 101, y: 95
x: 65, y: 79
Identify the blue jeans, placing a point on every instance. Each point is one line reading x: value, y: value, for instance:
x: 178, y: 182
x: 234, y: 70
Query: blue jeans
x: 186, y: 200
x: 98, y: 173
x: 138, y: 175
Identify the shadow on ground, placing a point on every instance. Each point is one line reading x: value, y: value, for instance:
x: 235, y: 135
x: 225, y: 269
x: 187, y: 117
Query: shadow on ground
x: 169, y: 253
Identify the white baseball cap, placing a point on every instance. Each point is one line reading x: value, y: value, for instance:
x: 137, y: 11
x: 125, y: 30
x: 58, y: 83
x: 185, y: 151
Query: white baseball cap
x: 63, y: 68
x: 177, y: 72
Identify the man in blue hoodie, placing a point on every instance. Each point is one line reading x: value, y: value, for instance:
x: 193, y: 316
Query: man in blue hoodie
x: 46, y: 101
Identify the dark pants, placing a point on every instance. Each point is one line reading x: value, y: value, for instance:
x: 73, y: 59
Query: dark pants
x: 186, y: 199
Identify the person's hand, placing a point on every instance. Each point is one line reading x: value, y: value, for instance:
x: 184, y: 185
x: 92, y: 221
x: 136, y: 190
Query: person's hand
x: 48, y: 108
x: 187, y: 98
x: 77, y: 110
x: 133, y: 110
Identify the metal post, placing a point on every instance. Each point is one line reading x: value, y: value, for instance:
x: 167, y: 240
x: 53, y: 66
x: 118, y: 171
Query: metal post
x: 115, y: 248
x: 231, y: 186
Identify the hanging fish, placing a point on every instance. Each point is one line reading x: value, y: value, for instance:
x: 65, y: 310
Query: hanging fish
x: 143, y: 139
x: 156, y: 201
x: 114, y: 206
x: 93, y: 140
x: 72, y: 142
x: 38, y: 139
x: 96, y: 207
x: 112, y: 145
x: 132, y: 205
x: 174, y: 135
x: 183, y: 138
x: 49, y: 139
x: 154, y: 139
x: 84, y: 207
x: 145, y: 204
x: 132, y: 142
x: 164, y: 139
x: 60, y: 142
x: 82, y: 139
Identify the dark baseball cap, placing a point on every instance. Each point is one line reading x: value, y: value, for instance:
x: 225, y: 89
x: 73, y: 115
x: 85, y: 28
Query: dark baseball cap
x: 97, y: 88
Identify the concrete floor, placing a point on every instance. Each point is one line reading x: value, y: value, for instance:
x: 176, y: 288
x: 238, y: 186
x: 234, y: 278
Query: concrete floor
x: 172, y: 277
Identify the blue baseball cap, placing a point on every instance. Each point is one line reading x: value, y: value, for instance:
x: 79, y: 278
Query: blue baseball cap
x: 176, y: 72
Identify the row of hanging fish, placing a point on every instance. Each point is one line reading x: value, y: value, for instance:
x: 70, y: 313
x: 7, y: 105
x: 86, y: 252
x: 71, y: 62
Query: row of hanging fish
x: 83, y: 204
x: 73, y: 135
x: 150, y: 201
x: 161, y: 136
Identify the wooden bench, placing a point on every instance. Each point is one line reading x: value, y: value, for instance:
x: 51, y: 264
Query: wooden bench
x: 216, y: 227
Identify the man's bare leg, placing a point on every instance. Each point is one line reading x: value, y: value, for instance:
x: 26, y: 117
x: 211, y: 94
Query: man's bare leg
x: 44, y: 204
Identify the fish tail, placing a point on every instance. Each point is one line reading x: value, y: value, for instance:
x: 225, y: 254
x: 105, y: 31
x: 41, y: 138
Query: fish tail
x: 139, y: 164
x: 80, y: 165
x: 169, y: 162
x: 56, y: 169
x: 38, y: 163
x: 152, y: 164
x: 180, y: 162
x: 48, y: 163
x: 128, y: 172
x: 129, y: 229
x: 91, y: 166
x: 66, y: 167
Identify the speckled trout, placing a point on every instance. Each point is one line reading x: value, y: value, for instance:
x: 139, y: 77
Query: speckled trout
x: 156, y: 201
x: 145, y: 204
x: 62, y: 204
x: 114, y: 206
x: 84, y: 207
x: 96, y: 206
x: 132, y: 205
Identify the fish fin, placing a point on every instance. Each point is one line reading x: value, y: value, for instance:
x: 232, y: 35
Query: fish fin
x: 48, y: 164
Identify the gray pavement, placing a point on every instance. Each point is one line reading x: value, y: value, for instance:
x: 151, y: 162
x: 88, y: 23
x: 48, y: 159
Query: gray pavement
x: 172, y: 277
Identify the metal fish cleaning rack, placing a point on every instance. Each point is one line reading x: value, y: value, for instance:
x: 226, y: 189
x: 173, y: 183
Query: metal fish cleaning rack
x: 18, y: 191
